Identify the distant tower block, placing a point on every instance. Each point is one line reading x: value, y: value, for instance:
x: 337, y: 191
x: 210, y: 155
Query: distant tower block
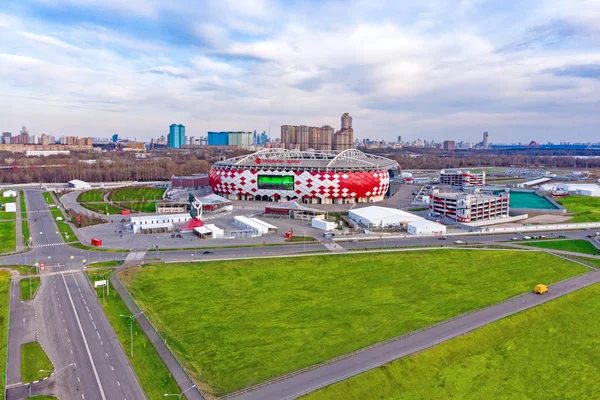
x: 484, y: 142
x: 346, y: 121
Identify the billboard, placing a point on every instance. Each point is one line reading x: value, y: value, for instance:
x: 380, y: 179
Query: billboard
x: 276, y: 182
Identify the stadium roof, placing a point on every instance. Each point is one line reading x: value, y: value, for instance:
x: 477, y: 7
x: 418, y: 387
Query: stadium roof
x: 317, y: 160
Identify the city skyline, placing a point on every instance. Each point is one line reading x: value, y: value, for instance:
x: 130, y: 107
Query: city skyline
x: 440, y: 71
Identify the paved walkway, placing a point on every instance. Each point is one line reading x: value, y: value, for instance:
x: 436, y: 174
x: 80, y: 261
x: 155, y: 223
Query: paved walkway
x: 176, y: 370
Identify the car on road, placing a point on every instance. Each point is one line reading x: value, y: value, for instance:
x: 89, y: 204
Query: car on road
x: 444, y: 238
x: 540, y: 289
x: 516, y: 238
x: 542, y: 237
x: 526, y: 237
x: 459, y: 242
x: 562, y: 236
x: 207, y: 252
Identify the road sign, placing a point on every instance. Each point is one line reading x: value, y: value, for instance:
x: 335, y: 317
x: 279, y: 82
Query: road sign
x: 100, y: 283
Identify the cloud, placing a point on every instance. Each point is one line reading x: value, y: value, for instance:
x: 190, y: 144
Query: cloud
x: 47, y: 40
x: 591, y: 71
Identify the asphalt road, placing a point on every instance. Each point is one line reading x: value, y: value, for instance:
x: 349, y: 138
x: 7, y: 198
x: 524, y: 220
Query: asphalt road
x: 312, y: 380
x: 71, y: 327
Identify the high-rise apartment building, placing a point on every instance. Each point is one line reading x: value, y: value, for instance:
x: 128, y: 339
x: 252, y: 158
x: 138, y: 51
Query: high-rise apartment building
x: 303, y: 138
x: 449, y: 145
x: 176, y: 137
x: 115, y: 138
x: 484, y: 142
x: 229, y: 138
x: 6, y: 137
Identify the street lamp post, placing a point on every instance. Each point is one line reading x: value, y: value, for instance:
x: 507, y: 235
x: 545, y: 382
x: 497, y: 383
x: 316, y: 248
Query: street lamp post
x: 131, y: 319
x: 180, y: 395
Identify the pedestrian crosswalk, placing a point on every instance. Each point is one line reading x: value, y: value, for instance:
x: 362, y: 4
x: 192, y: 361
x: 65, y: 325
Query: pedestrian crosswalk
x: 50, y: 244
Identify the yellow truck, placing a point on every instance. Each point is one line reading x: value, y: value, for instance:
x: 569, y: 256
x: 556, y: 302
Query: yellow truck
x: 540, y: 289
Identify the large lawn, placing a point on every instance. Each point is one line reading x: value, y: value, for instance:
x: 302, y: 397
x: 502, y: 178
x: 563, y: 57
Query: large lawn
x: 8, y: 236
x: 91, y: 196
x: 137, y: 194
x: 4, y: 214
x: 547, y: 352
x: 578, y: 246
x: 236, y: 323
x: 583, y: 208
x: 142, y: 206
x: 102, y: 208
x: 4, y: 300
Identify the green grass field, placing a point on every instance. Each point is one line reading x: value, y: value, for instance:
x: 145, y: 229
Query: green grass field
x: 41, y: 397
x: 141, y: 206
x: 34, y: 359
x: 113, y: 263
x: 4, y: 214
x: 48, y: 197
x: 91, y: 196
x: 25, y: 292
x: 236, y: 323
x: 548, y: 352
x: 583, y: 208
x: 578, y: 246
x: 301, y: 239
x: 149, y: 368
x: 137, y: 194
x: 102, y: 208
x: 4, y: 301
x: 8, y: 236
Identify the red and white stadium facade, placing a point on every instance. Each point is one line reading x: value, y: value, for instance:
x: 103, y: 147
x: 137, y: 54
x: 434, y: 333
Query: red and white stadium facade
x: 318, y: 177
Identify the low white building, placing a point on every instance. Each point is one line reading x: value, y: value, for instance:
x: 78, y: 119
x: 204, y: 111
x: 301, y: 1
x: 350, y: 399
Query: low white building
x: 578, y: 188
x: 320, y: 223
x: 255, y: 225
x: 10, y: 207
x: 156, y: 223
x: 77, y: 184
x: 425, y: 227
x: 9, y: 193
x: 209, y: 231
x: 381, y: 217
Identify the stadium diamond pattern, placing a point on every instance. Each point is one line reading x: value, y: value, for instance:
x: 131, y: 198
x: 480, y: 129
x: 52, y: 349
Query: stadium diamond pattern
x: 307, y: 184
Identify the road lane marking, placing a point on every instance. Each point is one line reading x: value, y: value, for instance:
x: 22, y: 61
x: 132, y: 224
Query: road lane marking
x: 106, y: 355
x: 97, y: 333
x: 87, y: 309
x: 87, y: 347
x: 111, y: 367
x: 78, y: 380
x: 118, y: 383
x: 94, y: 325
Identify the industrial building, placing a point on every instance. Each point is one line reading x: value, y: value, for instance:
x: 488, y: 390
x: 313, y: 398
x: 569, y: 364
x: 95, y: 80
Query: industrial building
x: 9, y: 193
x: 464, y: 207
x: 230, y: 138
x: 254, y: 225
x: 209, y: 231
x: 156, y: 223
x: 77, y: 184
x: 425, y: 227
x: 347, y: 177
x: 587, y: 189
x: 462, y: 178
x: 381, y: 217
x: 305, y: 138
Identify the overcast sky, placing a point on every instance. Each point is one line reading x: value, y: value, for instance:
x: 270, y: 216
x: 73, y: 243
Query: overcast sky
x: 432, y: 69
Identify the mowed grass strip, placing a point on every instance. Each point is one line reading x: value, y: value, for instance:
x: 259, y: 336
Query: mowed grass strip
x: 4, y: 302
x: 91, y: 196
x: 547, y: 352
x: 577, y: 246
x: 137, y: 194
x: 154, y: 376
x: 237, y: 323
x: 102, y: 208
x: 8, y: 236
x: 34, y: 359
x: 29, y: 287
x: 48, y: 197
x: 141, y: 206
x: 583, y: 208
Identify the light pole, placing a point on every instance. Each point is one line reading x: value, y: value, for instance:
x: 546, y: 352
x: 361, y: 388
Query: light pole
x: 180, y: 395
x: 60, y: 369
x: 131, y: 319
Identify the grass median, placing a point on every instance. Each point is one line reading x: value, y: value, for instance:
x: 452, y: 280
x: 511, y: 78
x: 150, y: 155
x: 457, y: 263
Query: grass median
x: 577, y: 246
x: 35, y: 364
x: 48, y: 198
x: 547, y: 352
x: 29, y: 287
x: 154, y: 376
x: 5, y: 278
x: 237, y: 323
x: 63, y: 226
